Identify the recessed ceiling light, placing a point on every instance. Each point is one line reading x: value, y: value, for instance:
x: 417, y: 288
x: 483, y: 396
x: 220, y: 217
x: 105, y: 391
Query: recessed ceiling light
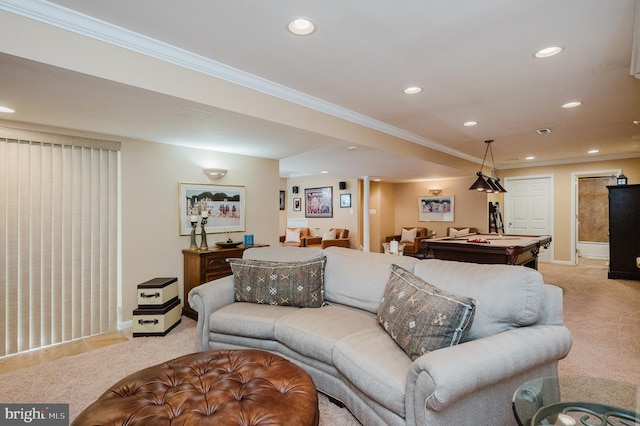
x: 593, y: 151
x: 352, y: 147
x: 572, y: 104
x: 7, y: 110
x: 301, y: 26
x: 470, y: 123
x: 531, y: 157
x: 412, y: 90
x: 324, y: 172
x: 548, y: 52
x: 544, y: 131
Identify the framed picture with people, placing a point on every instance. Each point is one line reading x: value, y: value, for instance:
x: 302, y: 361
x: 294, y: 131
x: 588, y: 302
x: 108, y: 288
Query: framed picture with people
x: 436, y: 209
x: 318, y: 202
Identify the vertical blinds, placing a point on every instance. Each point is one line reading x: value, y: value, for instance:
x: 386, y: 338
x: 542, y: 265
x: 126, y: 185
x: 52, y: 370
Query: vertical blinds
x: 58, y: 239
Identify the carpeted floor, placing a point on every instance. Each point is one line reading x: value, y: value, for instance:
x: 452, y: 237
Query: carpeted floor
x: 603, y: 316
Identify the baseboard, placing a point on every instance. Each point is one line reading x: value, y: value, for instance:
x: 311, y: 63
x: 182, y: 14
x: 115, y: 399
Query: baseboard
x: 125, y: 325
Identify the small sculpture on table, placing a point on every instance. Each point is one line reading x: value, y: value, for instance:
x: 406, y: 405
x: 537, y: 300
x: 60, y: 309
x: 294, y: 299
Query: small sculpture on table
x: 194, y: 223
x: 229, y: 239
x: 203, y: 233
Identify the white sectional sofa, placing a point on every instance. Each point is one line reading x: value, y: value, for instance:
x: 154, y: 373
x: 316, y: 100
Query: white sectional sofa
x: 516, y: 334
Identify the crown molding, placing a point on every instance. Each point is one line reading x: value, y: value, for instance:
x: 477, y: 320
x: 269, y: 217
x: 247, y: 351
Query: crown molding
x: 70, y: 20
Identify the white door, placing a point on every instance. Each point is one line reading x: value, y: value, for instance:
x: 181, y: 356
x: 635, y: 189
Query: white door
x: 529, y: 208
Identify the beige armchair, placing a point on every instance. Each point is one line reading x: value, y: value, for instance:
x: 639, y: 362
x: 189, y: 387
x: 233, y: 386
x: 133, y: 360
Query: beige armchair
x: 341, y: 240
x: 295, y: 237
x: 411, y: 241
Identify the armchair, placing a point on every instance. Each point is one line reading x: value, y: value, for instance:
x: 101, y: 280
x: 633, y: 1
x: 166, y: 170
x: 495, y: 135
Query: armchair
x: 341, y: 239
x: 411, y: 241
x: 295, y: 237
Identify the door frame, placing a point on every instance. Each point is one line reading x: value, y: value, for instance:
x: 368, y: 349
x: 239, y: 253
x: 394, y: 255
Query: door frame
x: 574, y: 204
x: 550, y: 255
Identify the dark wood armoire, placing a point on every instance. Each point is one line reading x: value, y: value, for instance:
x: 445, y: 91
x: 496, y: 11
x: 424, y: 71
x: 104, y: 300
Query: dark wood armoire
x: 624, y: 232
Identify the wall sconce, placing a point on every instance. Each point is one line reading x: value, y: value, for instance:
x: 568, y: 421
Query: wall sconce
x: 487, y: 183
x: 435, y: 192
x: 215, y: 173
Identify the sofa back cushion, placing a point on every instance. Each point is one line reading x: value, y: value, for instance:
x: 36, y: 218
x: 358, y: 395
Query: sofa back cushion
x: 506, y: 296
x: 357, y: 278
x: 282, y: 254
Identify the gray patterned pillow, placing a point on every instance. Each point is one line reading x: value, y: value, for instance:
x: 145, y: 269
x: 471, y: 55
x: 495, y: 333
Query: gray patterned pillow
x: 421, y: 318
x: 279, y: 283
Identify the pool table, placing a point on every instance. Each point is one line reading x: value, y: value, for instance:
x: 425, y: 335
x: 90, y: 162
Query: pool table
x: 488, y: 248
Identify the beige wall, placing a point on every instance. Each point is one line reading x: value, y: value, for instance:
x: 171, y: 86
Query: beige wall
x: 342, y: 217
x: 563, y: 222
x: 470, y: 208
x: 150, y: 174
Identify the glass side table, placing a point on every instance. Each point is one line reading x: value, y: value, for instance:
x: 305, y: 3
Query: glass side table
x: 576, y: 401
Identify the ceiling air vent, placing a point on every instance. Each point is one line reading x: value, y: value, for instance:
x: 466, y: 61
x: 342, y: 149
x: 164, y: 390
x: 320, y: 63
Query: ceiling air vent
x: 543, y: 131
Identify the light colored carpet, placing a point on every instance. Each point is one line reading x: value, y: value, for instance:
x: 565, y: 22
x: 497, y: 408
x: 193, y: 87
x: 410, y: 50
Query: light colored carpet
x: 81, y: 379
x: 603, y: 316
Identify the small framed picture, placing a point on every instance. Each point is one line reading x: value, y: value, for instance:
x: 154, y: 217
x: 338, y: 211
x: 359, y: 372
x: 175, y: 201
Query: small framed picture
x: 297, y: 204
x: 345, y: 200
x: 281, y: 200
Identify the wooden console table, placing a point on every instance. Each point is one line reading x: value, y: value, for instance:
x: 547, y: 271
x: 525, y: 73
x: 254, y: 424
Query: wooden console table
x: 204, y: 266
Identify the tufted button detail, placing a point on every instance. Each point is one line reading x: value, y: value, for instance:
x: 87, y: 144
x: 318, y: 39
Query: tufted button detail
x: 241, y: 387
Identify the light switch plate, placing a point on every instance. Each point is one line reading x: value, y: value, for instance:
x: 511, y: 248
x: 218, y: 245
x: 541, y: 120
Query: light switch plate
x: 637, y: 262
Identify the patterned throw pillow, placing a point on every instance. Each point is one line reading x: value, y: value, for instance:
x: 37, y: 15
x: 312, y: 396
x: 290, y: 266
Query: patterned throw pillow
x: 279, y: 283
x: 421, y: 318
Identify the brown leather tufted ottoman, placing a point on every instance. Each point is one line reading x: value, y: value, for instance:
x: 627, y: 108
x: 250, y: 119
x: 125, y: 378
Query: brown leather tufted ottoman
x: 239, y: 387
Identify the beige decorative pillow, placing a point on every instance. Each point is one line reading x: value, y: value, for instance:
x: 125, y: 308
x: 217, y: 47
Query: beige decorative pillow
x: 420, y: 317
x: 408, y: 235
x: 279, y: 283
x: 292, y: 236
x: 453, y: 232
x: 329, y: 235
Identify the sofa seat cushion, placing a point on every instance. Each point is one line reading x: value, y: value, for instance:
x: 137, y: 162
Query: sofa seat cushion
x: 356, y: 278
x: 506, y: 296
x: 421, y: 318
x: 314, y: 332
x: 376, y: 365
x: 248, y: 319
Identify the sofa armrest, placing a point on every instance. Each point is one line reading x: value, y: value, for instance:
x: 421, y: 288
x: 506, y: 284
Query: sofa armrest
x: 393, y: 237
x: 440, y: 378
x: 207, y: 298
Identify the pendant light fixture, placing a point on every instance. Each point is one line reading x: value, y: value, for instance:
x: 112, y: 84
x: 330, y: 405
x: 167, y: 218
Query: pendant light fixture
x: 487, y: 183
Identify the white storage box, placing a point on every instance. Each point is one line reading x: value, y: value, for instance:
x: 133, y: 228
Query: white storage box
x: 156, y: 321
x: 157, y: 292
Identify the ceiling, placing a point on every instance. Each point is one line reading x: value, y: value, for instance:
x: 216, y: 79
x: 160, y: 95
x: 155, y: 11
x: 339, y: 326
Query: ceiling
x: 473, y: 60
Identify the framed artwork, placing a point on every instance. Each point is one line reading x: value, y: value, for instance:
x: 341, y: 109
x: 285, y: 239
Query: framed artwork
x: 297, y: 203
x: 281, y: 200
x: 225, y: 205
x: 345, y: 200
x: 318, y: 202
x: 435, y: 209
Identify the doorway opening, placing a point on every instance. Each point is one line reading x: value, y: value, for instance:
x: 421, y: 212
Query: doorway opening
x: 590, y: 210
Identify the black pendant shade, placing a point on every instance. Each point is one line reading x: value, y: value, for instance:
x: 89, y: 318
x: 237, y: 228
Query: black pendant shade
x: 487, y: 183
